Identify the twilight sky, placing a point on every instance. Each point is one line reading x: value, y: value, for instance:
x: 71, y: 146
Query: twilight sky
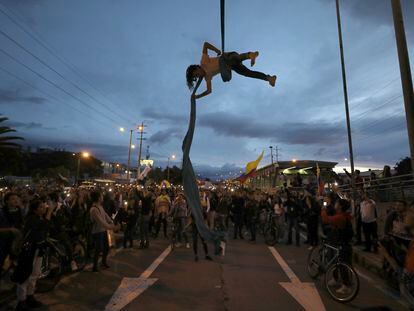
x: 116, y: 63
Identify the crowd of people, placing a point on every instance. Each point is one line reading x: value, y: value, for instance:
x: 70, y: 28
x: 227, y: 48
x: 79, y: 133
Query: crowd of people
x: 28, y: 216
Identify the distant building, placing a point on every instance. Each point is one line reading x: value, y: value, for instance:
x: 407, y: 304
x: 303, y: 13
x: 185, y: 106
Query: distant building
x: 295, y: 173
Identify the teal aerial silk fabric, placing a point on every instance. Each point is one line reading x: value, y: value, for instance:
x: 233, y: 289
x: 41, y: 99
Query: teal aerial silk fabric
x: 190, y: 183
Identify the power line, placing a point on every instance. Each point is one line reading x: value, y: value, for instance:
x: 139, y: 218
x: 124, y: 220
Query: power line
x: 377, y: 107
x: 61, y: 59
x: 372, y: 124
x: 377, y: 91
x: 49, y: 95
x: 57, y: 86
x: 51, y: 68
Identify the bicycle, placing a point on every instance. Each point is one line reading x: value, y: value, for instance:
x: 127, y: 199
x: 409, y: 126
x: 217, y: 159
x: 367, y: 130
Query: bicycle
x: 340, y: 279
x: 56, y: 262
x: 273, y: 230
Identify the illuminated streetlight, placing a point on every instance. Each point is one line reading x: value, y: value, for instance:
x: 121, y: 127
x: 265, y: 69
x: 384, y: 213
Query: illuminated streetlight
x: 121, y: 129
x: 294, y: 160
x: 133, y: 146
x: 85, y: 155
x: 168, y: 166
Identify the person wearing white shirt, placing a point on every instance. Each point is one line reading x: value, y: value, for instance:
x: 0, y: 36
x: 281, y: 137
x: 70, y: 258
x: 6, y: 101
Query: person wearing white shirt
x: 369, y: 215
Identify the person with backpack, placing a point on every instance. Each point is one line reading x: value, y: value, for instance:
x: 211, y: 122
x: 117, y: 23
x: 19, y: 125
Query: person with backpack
x: 341, y: 234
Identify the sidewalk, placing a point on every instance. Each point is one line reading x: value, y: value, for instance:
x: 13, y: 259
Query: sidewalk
x: 370, y: 261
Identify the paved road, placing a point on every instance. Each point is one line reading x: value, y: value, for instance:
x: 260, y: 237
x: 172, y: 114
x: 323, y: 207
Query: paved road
x: 247, y: 278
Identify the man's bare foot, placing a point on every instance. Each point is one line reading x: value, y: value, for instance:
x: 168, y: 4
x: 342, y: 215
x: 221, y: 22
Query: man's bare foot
x: 272, y: 80
x: 253, y: 56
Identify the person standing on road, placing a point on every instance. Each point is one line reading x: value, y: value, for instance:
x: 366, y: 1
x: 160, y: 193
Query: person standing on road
x: 197, y: 235
x: 101, y: 222
x: 144, y: 218
x: 238, y: 206
x: 179, y: 213
x: 369, y: 216
x: 162, y: 207
x: 312, y: 212
x: 293, y: 212
x: 329, y: 204
x: 35, y: 230
x: 11, y: 223
x: 252, y: 213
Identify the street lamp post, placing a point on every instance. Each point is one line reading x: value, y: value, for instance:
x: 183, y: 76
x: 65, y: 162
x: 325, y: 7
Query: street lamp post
x: 273, y: 168
x: 129, y: 154
x: 131, y: 146
x: 168, y: 166
x: 345, y: 89
x: 141, y: 133
x: 84, y: 155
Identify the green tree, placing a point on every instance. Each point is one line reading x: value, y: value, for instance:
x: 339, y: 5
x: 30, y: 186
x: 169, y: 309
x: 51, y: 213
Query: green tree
x: 403, y: 167
x: 7, y: 141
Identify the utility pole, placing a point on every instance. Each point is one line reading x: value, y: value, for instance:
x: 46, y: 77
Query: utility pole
x: 141, y: 133
x: 272, y: 173
x: 129, y: 155
x: 78, y: 169
x: 277, y: 149
x: 348, y: 121
x: 406, y: 80
x: 271, y: 154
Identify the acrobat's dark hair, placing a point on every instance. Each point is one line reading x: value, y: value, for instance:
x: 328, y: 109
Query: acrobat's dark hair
x: 190, y: 75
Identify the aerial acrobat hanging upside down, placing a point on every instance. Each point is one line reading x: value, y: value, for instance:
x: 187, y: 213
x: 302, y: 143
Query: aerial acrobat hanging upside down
x: 223, y: 64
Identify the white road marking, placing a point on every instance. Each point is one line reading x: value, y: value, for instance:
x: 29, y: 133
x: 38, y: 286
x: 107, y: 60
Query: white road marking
x: 305, y: 294
x: 131, y: 288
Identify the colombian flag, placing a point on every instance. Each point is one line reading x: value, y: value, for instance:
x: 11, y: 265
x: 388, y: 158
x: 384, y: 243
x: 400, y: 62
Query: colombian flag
x: 251, y: 168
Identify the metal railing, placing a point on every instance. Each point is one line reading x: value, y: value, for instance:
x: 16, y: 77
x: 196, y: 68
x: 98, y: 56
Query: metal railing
x: 385, y: 189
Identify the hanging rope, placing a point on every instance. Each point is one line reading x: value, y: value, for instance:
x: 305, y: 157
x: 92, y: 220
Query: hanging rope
x: 222, y: 16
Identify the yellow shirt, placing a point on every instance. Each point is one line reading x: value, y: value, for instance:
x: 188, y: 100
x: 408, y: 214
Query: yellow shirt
x: 210, y: 65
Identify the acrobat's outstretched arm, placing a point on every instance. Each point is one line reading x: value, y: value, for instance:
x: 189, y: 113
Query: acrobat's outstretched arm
x: 207, y: 46
x: 207, y: 91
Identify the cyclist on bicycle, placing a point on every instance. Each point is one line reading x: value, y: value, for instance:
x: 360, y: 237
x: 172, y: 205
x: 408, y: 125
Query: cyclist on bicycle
x: 341, y: 234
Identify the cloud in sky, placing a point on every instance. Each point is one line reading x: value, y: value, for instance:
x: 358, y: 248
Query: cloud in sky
x: 13, y: 97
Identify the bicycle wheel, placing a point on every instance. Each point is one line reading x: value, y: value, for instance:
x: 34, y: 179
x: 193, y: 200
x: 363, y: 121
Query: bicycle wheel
x: 51, y: 272
x: 79, y: 254
x: 342, y: 282
x: 315, y: 262
x: 271, y: 235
